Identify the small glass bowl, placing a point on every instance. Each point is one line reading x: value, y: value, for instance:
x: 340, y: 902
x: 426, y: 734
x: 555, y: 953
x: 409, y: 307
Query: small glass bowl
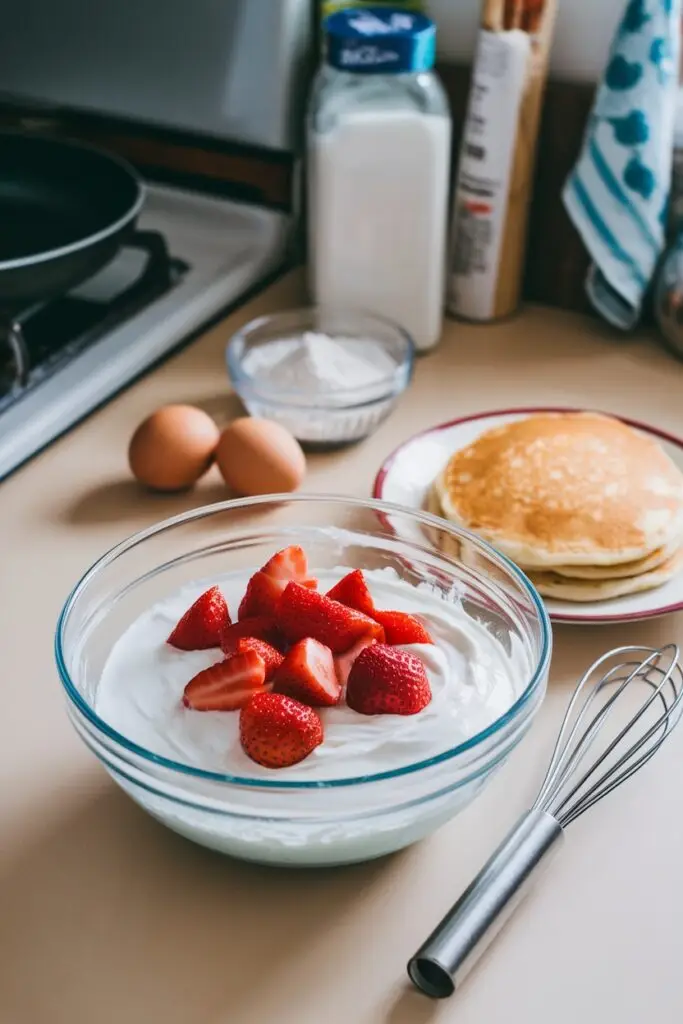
x: 349, y: 817
x: 331, y: 417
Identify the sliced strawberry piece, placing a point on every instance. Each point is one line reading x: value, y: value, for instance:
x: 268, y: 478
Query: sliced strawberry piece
x: 352, y: 590
x: 289, y: 564
x: 260, y: 627
x: 277, y: 731
x: 272, y: 658
x: 266, y: 585
x: 308, y: 674
x: 343, y: 662
x: 387, y: 681
x: 401, y: 628
x: 262, y: 596
x: 227, y: 685
x: 201, y: 626
x: 306, y: 613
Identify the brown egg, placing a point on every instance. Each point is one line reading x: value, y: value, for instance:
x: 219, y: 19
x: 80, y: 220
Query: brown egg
x: 173, y: 447
x: 260, y: 457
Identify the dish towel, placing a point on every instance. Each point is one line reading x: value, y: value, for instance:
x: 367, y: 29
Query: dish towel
x: 617, y: 194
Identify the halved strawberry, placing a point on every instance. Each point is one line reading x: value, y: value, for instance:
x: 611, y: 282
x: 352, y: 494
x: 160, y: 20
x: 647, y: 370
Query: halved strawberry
x: 277, y: 731
x: 265, y: 586
x: 344, y: 662
x: 308, y: 675
x: 401, y: 628
x: 386, y: 681
x: 272, y: 658
x: 227, y: 685
x: 352, y: 590
x: 260, y: 627
x: 289, y: 564
x: 305, y: 613
x: 201, y: 626
x: 262, y: 596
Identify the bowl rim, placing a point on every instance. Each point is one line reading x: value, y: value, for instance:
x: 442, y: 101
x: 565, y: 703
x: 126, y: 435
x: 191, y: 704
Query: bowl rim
x: 383, y: 509
x: 245, y: 383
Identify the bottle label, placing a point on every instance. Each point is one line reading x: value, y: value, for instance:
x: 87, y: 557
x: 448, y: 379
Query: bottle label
x: 367, y: 56
x: 485, y: 171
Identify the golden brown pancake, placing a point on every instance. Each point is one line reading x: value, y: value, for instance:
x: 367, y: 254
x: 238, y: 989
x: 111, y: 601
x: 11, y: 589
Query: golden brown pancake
x: 614, y: 572
x: 565, y: 489
x: 559, y: 587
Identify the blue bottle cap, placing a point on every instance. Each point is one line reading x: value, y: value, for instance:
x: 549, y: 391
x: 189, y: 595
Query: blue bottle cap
x: 380, y: 41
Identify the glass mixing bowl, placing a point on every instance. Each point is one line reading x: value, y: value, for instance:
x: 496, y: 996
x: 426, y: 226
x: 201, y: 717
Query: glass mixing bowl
x: 343, y: 819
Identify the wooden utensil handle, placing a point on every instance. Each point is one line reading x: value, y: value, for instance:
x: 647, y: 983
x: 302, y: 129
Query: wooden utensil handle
x: 504, y: 15
x: 493, y: 15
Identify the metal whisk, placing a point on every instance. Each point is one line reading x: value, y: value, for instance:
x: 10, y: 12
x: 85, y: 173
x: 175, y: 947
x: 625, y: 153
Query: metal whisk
x: 631, y: 699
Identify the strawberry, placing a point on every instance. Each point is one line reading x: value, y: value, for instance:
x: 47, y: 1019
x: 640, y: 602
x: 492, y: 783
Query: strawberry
x: 401, y: 628
x: 262, y: 596
x: 306, y: 613
x: 352, y: 590
x: 289, y: 564
x: 260, y: 627
x: 266, y: 585
x: 277, y: 731
x: 272, y: 658
x: 308, y: 675
x: 227, y: 685
x: 343, y: 662
x: 201, y: 626
x: 387, y: 681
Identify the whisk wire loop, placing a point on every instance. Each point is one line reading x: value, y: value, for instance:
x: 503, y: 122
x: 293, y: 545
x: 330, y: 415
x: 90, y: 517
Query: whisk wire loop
x: 566, y: 758
x: 572, y: 745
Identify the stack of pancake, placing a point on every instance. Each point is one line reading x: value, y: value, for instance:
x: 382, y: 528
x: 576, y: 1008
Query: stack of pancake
x: 590, y: 508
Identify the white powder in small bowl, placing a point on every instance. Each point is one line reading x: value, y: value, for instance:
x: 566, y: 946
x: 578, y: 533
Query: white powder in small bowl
x: 327, y: 390
x: 317, y: 365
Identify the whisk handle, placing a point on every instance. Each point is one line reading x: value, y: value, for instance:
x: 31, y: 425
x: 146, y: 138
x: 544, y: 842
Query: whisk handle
x: 454, y: 947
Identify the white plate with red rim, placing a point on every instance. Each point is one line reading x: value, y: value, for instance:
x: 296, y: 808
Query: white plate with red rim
x: 407, y: 475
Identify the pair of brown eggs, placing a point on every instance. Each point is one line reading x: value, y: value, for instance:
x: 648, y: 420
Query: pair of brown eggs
x: 177, y: 444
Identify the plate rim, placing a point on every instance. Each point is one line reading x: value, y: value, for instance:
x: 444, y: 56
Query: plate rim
x: 560, y: 618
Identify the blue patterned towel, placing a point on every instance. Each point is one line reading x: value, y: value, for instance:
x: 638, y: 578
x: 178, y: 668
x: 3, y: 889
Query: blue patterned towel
x: 618, y: 192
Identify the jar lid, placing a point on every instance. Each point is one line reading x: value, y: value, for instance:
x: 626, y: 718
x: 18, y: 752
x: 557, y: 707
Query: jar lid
x: 380, y: 40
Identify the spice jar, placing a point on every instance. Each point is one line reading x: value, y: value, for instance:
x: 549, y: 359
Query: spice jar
x: 379, y: 140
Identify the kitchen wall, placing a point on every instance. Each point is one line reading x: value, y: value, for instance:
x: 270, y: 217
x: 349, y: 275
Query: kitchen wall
x: 584, y: 31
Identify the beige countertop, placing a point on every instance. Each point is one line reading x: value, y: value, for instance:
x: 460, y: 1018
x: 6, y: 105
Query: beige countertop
x: 105, y: 917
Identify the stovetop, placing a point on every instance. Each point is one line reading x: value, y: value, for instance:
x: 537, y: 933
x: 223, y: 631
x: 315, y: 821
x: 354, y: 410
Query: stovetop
x: 53, y: 333
x: 191, y: 257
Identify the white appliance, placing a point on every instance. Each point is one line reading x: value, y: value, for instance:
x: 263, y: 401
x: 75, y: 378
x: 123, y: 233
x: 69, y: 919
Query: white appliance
x: 228, y: 69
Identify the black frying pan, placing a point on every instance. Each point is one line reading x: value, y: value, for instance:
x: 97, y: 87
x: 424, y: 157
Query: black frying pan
x: 65, y: 210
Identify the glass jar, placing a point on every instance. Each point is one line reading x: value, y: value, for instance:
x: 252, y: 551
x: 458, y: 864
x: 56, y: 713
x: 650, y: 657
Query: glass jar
x: 379, y: 146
